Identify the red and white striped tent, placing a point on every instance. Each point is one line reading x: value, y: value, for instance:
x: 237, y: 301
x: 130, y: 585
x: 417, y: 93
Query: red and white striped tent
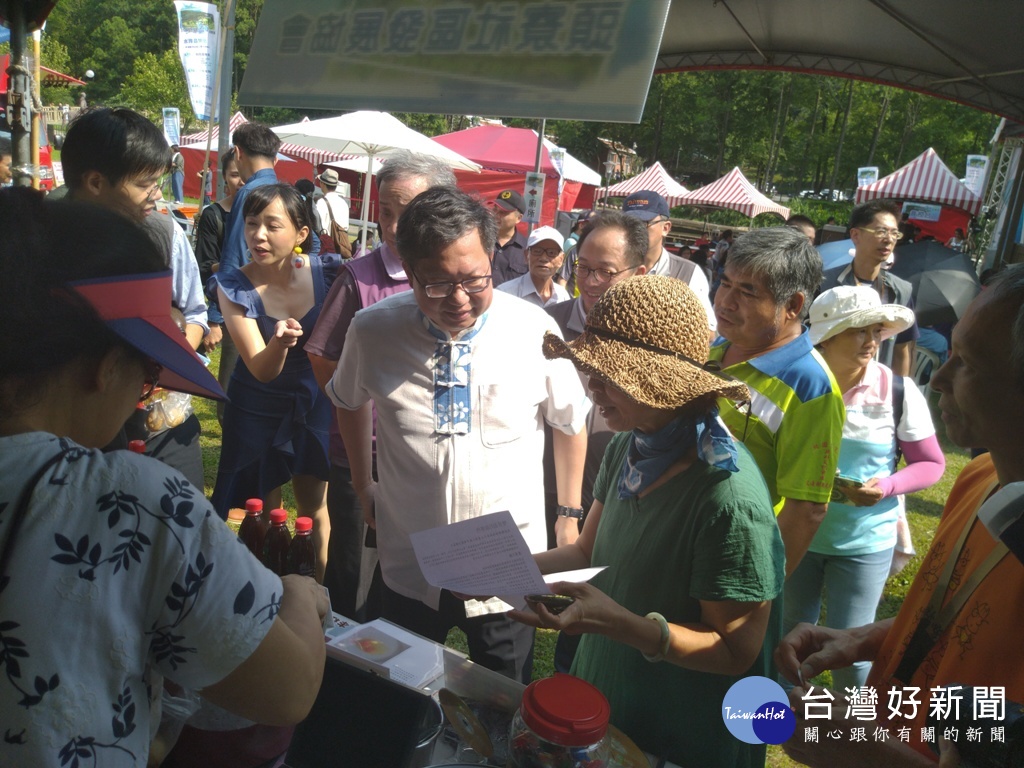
x: 314, y: 157
x: 236, y: 120
x: 926, y: 179
x: 733, y: 191
x: 655, y: 178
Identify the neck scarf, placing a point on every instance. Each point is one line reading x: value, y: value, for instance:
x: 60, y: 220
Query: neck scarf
x: 650, y: 455
x: 451, y: 364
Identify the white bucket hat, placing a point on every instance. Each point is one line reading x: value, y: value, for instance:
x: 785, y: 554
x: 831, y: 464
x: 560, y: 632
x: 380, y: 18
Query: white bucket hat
x: 846, y: 306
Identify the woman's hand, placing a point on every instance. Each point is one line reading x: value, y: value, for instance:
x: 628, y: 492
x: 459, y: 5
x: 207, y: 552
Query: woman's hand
x: 287, y: 332
x: 866, y: 495
x: 592, y: 611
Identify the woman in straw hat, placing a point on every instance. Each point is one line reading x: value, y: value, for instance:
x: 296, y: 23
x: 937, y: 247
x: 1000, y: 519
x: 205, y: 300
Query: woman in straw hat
x: 114, y: 570
x: 684, y: 524
x: 852, y: 552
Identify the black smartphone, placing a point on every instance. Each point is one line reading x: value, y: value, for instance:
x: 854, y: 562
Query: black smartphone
x: 554, y: 603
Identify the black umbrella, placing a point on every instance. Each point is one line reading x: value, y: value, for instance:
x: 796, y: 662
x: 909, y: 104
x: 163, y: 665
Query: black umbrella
x: 944, y: 280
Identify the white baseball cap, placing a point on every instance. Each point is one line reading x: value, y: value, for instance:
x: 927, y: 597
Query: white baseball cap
x: 546, y: 233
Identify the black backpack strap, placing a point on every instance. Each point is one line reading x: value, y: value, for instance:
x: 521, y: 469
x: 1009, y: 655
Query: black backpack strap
x: 897, y: 414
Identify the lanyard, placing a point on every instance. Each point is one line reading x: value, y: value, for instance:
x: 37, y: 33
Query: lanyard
x: 936, y: 617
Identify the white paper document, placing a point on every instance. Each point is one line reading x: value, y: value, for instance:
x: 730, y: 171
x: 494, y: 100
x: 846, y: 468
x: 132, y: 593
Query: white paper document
x: 485, y: 555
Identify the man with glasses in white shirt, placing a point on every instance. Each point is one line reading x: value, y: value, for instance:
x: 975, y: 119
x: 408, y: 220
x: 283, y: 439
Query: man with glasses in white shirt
x: 462, y: 391
x: 874, y: 229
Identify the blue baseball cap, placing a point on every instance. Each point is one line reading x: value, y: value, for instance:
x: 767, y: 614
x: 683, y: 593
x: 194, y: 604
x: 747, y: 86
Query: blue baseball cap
x: 646, y: 205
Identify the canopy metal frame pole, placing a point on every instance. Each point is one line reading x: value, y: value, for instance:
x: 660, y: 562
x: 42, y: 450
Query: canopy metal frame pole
x: 19, y: 104
x: 367, y: 191
x: 222, y: 92
x: 536, y: 169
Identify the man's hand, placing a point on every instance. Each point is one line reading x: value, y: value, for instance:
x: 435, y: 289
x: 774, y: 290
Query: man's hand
x: 366, y: 500
x: 810, y: 649
x: 213, y: 338
x: 798, y: 522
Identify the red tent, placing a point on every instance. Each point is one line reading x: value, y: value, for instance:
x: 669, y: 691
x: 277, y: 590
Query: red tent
x: 49, y: 76
x: 506, y: 156
x: 733, y: 191
x: 287, y: 168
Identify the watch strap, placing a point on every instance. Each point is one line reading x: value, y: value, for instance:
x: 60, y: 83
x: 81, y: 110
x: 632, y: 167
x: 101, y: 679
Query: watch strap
x: 574, y: 512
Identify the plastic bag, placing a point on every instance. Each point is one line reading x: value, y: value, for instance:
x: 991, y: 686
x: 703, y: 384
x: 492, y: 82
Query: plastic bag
x: 177, y: 705
x: 166, y: 409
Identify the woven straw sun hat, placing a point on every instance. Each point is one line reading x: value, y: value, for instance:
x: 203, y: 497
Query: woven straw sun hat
x: 648, y: 336
x: 847, y: 306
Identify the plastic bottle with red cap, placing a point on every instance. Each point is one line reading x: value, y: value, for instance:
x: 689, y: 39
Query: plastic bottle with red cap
x: 562, y: 721
x: 137, y: 446
x: 253, y: 527
x: 302, y: 553
x: 277, y: 542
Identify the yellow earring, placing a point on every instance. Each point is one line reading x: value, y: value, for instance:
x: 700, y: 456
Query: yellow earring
x: 298, y: 262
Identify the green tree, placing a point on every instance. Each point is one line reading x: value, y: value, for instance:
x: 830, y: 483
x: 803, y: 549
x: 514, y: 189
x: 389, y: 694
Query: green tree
x: 113, y: 54
x: 54, y: 55
x: 155, y: 83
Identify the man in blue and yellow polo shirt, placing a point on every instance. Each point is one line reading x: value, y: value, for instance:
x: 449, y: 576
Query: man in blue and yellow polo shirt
x: 794, y: 421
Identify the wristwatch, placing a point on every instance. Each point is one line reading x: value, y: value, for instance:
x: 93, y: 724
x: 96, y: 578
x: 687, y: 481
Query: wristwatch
x: 574, y: 512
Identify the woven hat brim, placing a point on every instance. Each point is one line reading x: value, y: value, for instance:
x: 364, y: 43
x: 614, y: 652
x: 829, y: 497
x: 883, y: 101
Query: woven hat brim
x: 646, y: 377
x: 894, y: 318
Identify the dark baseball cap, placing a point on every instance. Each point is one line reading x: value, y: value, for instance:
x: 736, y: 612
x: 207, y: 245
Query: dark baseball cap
x: 510, y: 200
x: 646, y: 205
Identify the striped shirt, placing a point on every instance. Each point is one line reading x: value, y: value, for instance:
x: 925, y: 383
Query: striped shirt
x: 794, y: 422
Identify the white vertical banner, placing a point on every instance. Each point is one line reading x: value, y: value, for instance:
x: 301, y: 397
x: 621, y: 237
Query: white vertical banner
x: 975, y: 176
x: 172, y: 125
x: 533, y: 194
x: 198, y: 35
x: 867, y: 175
x: 557, y: 155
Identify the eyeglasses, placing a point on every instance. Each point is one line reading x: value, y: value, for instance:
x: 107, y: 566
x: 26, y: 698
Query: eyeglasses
x: 152, y: 188
x: 656, y: 220
x: 549, y: 253
x: 883, y: 234
x: 444, y: 290
x: 600, y: 275
x: 152, y: 379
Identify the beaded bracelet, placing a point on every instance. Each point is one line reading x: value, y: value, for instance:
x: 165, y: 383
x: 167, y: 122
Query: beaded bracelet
x: 666, y: 637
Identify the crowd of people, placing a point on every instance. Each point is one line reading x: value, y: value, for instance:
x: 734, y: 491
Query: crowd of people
x: 721, y: 431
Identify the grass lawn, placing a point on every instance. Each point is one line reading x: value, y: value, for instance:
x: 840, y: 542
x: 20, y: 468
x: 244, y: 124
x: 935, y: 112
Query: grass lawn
x: 923, y: 512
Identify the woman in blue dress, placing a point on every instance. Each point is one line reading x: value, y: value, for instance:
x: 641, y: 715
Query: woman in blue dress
x: 275, y: 426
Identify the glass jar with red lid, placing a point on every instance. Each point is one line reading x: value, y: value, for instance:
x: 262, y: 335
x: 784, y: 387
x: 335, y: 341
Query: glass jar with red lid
x: 563, y: 722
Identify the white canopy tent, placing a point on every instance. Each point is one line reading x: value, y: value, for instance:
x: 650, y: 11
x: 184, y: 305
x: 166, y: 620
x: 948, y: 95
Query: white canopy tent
x: 367, y: 134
